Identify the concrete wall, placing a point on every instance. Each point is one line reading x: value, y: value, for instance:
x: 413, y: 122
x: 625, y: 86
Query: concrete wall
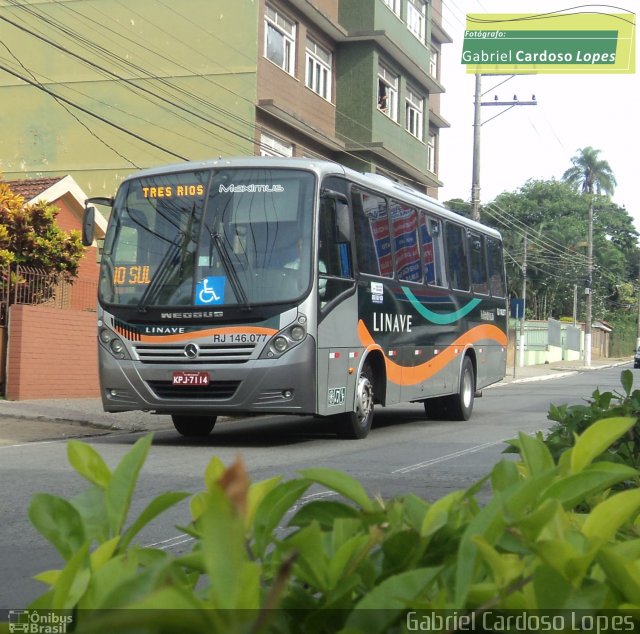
x: 52, y: 354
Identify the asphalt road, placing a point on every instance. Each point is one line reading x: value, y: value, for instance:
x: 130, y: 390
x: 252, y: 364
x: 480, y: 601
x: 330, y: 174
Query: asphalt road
x: 404, y: 453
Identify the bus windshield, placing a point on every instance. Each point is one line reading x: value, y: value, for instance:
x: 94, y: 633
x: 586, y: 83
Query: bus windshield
x: 228, y: 237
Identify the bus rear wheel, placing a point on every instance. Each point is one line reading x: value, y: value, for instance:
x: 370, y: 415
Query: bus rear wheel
x: 357, y: 424
x: 193, y: 426
x: 455, y: 406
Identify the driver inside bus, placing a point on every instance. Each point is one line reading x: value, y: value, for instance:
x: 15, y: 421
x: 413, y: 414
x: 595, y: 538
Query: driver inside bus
x: 295, y: 264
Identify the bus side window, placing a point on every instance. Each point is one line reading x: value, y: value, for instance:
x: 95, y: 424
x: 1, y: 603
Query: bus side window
x: 373, y: 240
x: 405, y: 242
x: 457, y: 263
x: 335, y: 270
x: 479, y: 281
x: 496, y: 268
x: 432, y: 251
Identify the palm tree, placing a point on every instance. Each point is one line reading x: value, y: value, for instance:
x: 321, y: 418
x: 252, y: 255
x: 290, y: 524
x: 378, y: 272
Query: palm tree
x: 590, y: 174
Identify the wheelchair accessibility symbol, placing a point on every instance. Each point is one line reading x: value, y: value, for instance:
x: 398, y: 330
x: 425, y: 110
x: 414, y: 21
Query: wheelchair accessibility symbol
x: 210, y: 290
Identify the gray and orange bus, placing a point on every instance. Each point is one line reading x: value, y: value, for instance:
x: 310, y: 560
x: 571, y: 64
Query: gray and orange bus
x: 293, y: 286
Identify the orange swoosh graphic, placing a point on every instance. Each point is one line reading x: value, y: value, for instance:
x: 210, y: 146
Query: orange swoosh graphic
x: 210, y: 332
x: 417, y: 374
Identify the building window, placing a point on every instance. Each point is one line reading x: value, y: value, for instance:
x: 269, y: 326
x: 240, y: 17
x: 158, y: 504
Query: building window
x: 417, y: 18
x: 388, y: 92
x: 414, y: 111
x: 431, y: 153
x: 394, y: 5
x: 433, y: 63
x: 272, y: 146
x: 318, y: 69
x: 280, y: 40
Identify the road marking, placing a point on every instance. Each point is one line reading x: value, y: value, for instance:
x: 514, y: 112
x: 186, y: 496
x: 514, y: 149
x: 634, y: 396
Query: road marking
x: 450, y: 456
x: 172, y: 542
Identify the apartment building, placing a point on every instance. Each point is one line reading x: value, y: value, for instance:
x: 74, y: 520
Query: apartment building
x: 100, y: 88
x: 354, y: 80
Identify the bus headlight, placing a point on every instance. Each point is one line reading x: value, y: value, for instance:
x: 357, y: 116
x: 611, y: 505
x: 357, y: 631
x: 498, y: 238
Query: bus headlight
x: 113, y: 343
x: 280, y: 344
x: 297, y: 333
x: 288, y: 338
x: 117, y: 347
x: 105, y: 335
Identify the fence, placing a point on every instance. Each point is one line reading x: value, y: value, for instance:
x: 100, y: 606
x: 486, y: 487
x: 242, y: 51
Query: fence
x: 33, y: 286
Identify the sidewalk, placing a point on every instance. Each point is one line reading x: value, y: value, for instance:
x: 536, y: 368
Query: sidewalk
x: 26, y: 421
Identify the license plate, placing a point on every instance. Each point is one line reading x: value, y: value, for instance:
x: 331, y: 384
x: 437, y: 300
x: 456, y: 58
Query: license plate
x: 190, y: 378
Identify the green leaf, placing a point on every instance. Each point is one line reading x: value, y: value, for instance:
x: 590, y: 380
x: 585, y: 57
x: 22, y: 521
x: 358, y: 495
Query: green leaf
x: 88, y: 463
x: 626, y: 378
x: 123, y: 482
x: 489, y: 522
x: 101, y: 555
x: 377, y: 610
x: 59, y: 522
x: 438, y: 513
x: 73, y: 581
x: 273, y: 508
x: 157, y: 506
x: 594, y: 479
x: 325, y: 512
x: 348, y: 553
x: 257, y: 492
x: 503, y: 475
x: 596, y: 439
x: 91, y: 506
x: 622, y: 573
x: 213, y: 472
x: 223, y: 549
x: 551, y: 589
x: 609, y: 516
x: 341, y: 483
x: 535, y: 454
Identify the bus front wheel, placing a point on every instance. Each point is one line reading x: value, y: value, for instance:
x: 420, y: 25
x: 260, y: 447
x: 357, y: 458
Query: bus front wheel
x: 193, y: 426
x: 357, y: 424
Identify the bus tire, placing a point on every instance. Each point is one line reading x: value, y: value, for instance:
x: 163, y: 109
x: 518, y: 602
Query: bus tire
x: 357, y: 424
x: 460, y: 405
x: 436, y: 408
x: 193, y: 426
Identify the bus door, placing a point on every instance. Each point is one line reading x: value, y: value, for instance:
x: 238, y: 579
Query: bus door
x: 338, y: 346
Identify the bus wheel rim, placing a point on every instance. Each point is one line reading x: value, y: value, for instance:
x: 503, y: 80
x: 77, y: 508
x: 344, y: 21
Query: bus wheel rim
x: 364, y: 402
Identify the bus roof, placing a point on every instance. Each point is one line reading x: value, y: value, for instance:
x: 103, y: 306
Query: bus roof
x: 378, y: 182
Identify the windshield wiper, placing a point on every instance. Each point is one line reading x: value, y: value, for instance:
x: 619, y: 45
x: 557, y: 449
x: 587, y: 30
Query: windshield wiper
x: 229, y: 269
x: 165, y: 268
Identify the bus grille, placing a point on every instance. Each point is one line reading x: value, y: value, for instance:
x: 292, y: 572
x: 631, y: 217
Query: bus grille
x: 215, y: 390
x: 209, y: 353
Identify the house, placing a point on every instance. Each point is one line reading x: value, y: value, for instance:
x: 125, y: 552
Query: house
x: 64, y: 193
x: 36, y: 340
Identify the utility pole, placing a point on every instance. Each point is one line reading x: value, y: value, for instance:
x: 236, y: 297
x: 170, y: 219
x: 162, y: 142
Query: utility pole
x: 587, y: 289
x: 477, y: 123
x: 524, y: 304
x: 475, y: 176
x: 638, y: 337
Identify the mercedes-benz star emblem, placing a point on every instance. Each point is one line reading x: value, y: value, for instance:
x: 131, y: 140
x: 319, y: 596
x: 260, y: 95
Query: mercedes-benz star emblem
x: 192, y: 350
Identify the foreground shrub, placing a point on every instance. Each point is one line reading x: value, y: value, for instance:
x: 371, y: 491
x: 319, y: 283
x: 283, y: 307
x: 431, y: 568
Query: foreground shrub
x: 355, y: 563
x: 572, y: 420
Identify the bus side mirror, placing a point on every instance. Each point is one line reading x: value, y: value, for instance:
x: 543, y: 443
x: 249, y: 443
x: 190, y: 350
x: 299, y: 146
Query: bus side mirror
x: 88, y: 225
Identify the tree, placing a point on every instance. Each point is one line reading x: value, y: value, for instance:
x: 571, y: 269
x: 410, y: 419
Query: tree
x: 554, y: 217
x: 30, y: 237
x: 589, y: 174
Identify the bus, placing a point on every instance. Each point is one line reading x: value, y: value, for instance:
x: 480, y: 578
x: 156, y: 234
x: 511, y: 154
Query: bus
x: 261, y: 285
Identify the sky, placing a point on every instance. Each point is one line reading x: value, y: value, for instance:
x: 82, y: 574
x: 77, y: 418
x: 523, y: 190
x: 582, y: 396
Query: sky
x: 536, y: 142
